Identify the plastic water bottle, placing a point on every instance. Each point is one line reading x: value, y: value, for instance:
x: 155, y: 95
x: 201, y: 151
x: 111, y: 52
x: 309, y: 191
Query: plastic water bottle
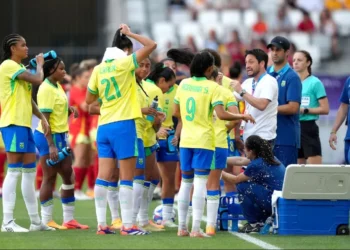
x: 61, y: 156
x: 267, y: 226
x: 170, y: 147
x: 223, y: 214
x: 154, y: 105
x: 47, y: 56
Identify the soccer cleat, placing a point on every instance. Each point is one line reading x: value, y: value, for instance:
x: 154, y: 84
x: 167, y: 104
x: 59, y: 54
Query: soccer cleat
x: 251, y: 228
x: 40, y: 227
x: 151, y: 228
x: 12, y: 227
x: 155, y: 224
x: 53, y: 224
x: 104, y: 230
x: 80, y: 196
x: 199, y: 235
x: 210, y: 230
x: 183, y: 233
x: 117, y: 224
x: 73, y: 224
x: 90, y: 193
x: 134, y: 230
x: 169, y: 223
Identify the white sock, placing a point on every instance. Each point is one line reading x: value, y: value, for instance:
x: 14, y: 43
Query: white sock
x: 68, y: 205
x: 126, y: 202
x: 198, y: 200
x: 212, y: 207
x: 113, y: 199
x: 46, y: 211
x: 167, y: 211
x: 137, y: 197
x: 101, y: 189
x: 28, y: 192
x: 9, y: 191
x: 183, y: 200
x: 152, y: 187
x: 143, y: 213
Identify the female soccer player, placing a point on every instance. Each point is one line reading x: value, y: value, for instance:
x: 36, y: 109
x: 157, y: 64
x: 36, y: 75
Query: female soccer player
x: 168, y: 161
x: 264, y: 173
x: 195, y: 101
x: 159, y: 81
x: 17, y: 108
x: 53, y: 103
x: 113, y: 81
x: 79, y: 131
x: 221, y: 153
x: 314, y: 102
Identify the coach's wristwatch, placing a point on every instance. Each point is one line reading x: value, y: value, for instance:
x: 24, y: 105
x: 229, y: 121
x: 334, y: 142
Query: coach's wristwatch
x: 242, y: 92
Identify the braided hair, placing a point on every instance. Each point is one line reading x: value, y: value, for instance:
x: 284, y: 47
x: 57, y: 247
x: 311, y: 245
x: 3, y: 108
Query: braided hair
x: 7, y: 43
x: 262, y: 149
x: 51, y: 66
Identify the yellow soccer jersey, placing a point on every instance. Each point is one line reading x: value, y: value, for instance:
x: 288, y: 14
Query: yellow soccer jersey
x: 141, y: 122
x: 115, y: 84
x: 226, y: 83
x: 168, y: 107
x: 220, y: 125
x: 15, y: 96
x: 149, y: 136
x: 197, y: 98
x: 52, y: 99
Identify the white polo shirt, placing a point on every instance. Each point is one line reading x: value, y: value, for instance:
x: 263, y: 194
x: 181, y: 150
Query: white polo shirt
x: 266, y: 121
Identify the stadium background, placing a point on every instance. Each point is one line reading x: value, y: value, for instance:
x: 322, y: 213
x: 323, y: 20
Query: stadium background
x: 81, y: 29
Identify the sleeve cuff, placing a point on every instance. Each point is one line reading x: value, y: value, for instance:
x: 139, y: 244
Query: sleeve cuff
x: 230, y: 104
x: 46, y: 110
x: 92, y: 91
x: 176, y: 101
x: 17, y: 73
x: 135, y: 60
x: 218, y: 103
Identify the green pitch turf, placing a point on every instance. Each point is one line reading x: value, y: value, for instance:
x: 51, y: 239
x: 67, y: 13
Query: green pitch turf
x: 87, y: 239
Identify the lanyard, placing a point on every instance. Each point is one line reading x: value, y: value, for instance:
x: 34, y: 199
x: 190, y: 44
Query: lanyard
x: 256, y: 83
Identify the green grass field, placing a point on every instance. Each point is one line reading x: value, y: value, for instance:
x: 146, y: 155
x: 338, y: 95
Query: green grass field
x: 85, y: 213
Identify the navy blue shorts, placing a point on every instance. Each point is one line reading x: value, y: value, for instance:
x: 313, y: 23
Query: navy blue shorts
x: 163, y: 155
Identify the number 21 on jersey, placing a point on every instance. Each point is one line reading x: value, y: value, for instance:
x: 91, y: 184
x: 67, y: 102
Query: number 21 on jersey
x: 114, y: 89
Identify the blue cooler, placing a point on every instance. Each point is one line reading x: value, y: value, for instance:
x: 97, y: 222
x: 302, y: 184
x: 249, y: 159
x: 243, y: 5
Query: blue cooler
x: 315, y: 200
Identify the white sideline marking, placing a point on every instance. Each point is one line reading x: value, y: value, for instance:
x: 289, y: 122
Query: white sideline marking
x: 245, y: 237
x: 254, y: 241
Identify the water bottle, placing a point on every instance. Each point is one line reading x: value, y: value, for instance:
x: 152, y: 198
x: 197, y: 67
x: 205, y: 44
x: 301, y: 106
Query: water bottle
x: 170, y: 147
x: 61, y: 155
x: 267, y: 226
x: 154, y: 105
x: 47, y: 56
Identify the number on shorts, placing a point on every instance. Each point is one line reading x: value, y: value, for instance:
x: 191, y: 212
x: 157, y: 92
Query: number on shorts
x: 191, y: 109
x: 108, y: 87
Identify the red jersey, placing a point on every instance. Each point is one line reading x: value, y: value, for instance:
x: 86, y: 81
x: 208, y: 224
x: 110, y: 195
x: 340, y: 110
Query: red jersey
x: 80, y: 125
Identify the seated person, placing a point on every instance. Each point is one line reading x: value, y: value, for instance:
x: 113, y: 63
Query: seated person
x: 263, y: 175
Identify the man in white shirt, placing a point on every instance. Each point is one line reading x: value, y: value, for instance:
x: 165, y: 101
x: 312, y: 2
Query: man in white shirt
x: 260, y: 93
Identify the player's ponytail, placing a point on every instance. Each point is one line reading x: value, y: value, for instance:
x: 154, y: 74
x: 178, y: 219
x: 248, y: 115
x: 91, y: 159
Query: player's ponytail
x: 161, y: 71
x: 183, y: 56
x: 121, y: 41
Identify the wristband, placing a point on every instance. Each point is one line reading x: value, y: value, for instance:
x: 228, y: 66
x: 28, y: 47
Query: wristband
x: 333, y: 132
